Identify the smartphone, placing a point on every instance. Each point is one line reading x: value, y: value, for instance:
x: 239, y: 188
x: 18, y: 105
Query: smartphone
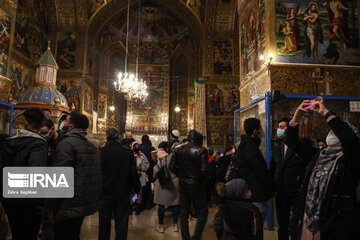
x: 221, y: 155
x: 134, y: 198
x: 311, y: 103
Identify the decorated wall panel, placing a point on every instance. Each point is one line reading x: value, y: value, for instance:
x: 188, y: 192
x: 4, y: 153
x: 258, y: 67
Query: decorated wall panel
x: 323, y: 32
x: 93, y: 5
x: 257, y: 87
x: 253, y: 39
x: 102, y: 106
x: 316, y: 80
x: 20, y: 80
x: 71, y: 89
x: 87, y: 99
x: 30, y: 29
x: 222, y: 99
x: 5, y: 31
x: 223, y: 56
x: 66, y: 50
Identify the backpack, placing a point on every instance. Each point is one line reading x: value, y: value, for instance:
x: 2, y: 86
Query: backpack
x: 164, y: 175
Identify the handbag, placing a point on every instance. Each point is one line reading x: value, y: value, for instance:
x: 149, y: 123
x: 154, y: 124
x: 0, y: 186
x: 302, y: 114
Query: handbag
x: 163, y: 175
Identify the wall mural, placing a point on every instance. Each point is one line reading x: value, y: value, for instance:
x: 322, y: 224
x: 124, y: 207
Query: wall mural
x: 218, y: 129
x: 20, y: 80
x: 323, y: 31
x: 102, y: 106
x: 316, y: 80
x: 88, y: 98
x: 223, y: 60
x: 222, y: 99
x: 90, y: 58
x: 30, y: 29
x: 5, y: 31
x: 93, y: 5
x: 71, y: 89
x: 66, y: 48
x: 253, y: 39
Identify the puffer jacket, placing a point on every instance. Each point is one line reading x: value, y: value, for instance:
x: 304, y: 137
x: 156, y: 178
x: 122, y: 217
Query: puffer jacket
x: 76, y: 151
x: 190, y: 164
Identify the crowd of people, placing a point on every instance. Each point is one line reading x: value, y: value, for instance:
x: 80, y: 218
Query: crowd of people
x: 315, y: 188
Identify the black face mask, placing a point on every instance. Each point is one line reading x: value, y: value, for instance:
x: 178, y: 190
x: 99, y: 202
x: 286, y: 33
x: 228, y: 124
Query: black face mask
x: 136, y: 150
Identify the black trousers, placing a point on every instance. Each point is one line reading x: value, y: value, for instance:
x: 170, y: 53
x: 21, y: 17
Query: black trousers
x: 24, y: 220
x: 196, y: 194
x: 68, y: 229
x: 120, y: 206
x: 284, y: 204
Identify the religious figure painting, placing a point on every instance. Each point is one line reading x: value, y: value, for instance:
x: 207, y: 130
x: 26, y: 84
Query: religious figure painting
x: 253, y: 40
x: 5, y: 30
x: 223, y: 60
x: 88, y: 98
x: 66, y: 48
x: 216, y: 138
x: 102, y: 106
x: 223, y: 99
x: 20, y: 80
x: 93, y: 5
x: 71, y: 89
x: 321, y: 81
x: 320, y: 31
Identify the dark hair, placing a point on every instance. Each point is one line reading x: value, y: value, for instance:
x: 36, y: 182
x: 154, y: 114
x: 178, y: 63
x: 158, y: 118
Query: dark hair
x: 163, y: 145
x: 63, y: 118
x: 210, y: 151
x: 287, y: 120
x: 112, y: 134
x: 251, y: 124
x: 79, y: 120
x: 47, y: 123
x: 184, y: 140
x: 195, y: 137
x: 34, y: 117
x: 145, y: 138
x: 320, y: 140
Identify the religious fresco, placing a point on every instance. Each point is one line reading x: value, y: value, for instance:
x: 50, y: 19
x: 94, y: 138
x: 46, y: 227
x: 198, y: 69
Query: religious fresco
x: 313, y: 125
x: 102, y: 106
x: 20, y: 80
x: 316, y: 80
x: 30, y: 28
x: 5, y: 31
x: 90, y: 58
x: 223, y: 60
x: 88, y: 98
x: 222, y: 99
x: 71, y: 89
x: 324, y: 31
x: 218, y: 129
x: 157, y: 25
x: 93, y: 5
x: 66, y: 50
x: 253, y: 40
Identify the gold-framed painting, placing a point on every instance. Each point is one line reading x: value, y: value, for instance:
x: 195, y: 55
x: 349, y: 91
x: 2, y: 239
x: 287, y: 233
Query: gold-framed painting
x: 102, y: 106
x: 87, y: 99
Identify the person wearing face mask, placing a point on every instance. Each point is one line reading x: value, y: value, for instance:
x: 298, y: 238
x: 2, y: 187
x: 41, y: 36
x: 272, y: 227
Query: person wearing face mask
x: 142, y: 164
x: 288, y: 169
x: 321, y: 143
x: 252, y: 165
x: 327, y: 208
x: 48, y: 132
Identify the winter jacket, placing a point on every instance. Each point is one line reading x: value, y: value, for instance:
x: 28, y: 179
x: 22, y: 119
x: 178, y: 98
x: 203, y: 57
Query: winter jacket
x: 78, y: 152
x: 190, y: 164
x: 126, y: 142
x: 25, y: 149
x: 253, y: 168
x: 142, y: 160
x: 287, y: 169
x: 339, y: 212
x: 169, y: 195
x: 222, y: 166
x: 119, y: 171
x: 146, y: 149
x: 238, y: 220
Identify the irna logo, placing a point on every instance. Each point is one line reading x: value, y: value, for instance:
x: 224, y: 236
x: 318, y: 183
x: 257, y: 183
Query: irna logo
x: 34, y: 180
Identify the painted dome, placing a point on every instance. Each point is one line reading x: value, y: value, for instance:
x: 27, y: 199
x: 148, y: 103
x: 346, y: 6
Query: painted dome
x: 43, y: 95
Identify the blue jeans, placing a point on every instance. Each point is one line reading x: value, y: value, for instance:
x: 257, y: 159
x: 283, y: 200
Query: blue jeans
x: 161, y: 214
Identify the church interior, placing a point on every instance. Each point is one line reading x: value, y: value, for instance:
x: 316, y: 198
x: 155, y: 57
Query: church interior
x: 199, y: 64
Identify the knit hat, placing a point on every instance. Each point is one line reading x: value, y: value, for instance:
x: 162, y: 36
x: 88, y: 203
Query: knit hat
x: 175, y: 133
x: 235, y: 188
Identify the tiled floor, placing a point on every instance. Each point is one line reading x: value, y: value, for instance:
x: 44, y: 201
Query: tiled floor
x: 142, y: 227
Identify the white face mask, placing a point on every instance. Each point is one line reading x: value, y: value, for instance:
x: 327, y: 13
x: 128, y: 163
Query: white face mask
x: 332, y: 140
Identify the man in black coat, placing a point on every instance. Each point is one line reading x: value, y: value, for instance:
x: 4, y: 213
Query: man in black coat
x: 327, y: 208
x: 190, y: 164
x: 27, y: 149
x: 77, y: 152
x: 127, y: 140
x: 288, y: 170
x: 120, y: 177
x: 252, y: 166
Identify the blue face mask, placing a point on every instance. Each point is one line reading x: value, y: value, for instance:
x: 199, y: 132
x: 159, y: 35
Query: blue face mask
x: 61, y: 126
x: 261, y: 134
x: 280, y: 133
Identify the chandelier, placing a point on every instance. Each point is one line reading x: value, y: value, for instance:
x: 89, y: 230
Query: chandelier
x: 128, y: 83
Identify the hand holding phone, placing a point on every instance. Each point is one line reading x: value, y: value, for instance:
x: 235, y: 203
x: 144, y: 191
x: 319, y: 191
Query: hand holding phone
x: 310, y: 106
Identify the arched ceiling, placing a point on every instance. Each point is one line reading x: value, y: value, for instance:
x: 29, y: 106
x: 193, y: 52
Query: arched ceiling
x: 174, y: 17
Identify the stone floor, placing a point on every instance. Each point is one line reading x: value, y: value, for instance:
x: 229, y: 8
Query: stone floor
x: 142, y: 227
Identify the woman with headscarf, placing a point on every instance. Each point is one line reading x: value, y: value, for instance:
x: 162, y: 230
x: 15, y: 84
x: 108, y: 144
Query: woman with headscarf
x: 327, y: 207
